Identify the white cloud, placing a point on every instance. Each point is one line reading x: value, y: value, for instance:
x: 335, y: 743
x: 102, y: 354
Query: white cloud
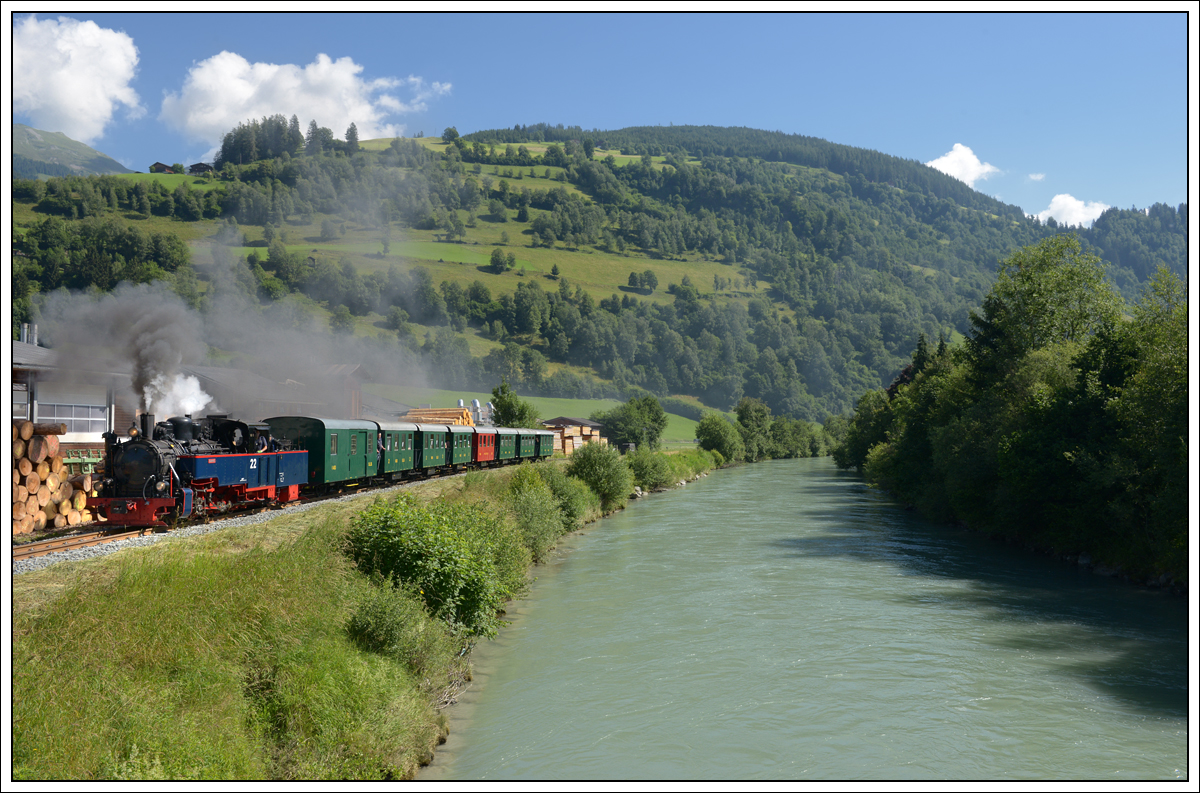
x: 69, y: 76
x: 961, y: 163
x: 1036, y: 177
x: 1071, y: 211
x: 226, y: 89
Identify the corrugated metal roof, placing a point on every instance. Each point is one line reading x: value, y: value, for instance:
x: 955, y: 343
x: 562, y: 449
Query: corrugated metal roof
x: 29, y: 356
x: 566, y: 421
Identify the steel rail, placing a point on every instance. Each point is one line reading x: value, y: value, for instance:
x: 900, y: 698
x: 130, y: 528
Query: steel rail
x: 43, y: 547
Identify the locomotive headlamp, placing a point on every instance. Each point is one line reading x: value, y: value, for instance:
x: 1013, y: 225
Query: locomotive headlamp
x: 133, y: 431
x: 161, y: 486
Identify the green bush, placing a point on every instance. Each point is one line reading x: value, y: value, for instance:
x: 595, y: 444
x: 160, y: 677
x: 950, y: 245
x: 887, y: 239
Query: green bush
x: 535, y: 511
x: 687, y: 464
x: 576, y: 501
x: 716, y: 432
x: 650, y: 469
x: 602, y: 469
x: 390, y: 619
x: 459, y: 557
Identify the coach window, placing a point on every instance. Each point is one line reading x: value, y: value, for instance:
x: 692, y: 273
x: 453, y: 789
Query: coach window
x: 353, y: 443
x: 333, y: 445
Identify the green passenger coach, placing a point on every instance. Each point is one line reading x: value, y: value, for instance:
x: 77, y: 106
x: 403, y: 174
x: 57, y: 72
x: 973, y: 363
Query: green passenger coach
x: 545, y: 443
x: 506, y: 443
x: 460, y: 444
x: 339, y: 450
x: 398, y: 450
x: 431, y: 443
x: 526, y: 443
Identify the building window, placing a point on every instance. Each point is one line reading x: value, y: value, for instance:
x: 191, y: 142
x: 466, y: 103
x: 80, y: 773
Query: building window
x: 20, y: 401
x: 78, y: 418
x: 83, y: 408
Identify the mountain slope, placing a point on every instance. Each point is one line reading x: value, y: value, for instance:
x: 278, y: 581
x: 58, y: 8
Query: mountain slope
x: 677, y: 265
x: 40, y: 153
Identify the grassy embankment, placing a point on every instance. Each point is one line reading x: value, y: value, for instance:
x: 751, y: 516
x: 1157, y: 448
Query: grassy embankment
x: 264, y: 652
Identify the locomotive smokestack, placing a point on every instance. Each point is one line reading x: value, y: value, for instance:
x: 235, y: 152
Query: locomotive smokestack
x: 148, y: 426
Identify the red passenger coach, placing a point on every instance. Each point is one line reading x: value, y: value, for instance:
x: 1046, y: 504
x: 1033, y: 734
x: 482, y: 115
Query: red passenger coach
x: 484, y: 445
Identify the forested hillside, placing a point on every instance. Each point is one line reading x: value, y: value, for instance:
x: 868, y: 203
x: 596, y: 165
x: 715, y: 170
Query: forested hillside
x: 701, y: 262
x: 1059, y: 422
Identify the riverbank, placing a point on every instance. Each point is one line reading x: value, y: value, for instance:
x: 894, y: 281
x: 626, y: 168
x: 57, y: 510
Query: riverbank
x: 241, y: 654
x: 1084, y: 560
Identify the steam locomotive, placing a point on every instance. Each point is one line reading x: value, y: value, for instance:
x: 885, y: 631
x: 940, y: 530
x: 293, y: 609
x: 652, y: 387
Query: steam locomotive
x: 185, y: 467
x: 182, y: 467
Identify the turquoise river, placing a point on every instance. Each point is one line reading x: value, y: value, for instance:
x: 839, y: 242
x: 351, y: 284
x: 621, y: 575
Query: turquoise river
x: 783, y: 621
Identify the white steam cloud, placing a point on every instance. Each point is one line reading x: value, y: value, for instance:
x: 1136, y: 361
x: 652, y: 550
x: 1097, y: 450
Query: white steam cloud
x: 1067, y: 209
x: 226, y: 89
x: 961, y: 163
x: 174, y: 395
x: 69, y: 76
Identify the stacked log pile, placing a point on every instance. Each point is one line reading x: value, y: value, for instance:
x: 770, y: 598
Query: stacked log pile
x: 45, y: 495
x: 458, y: 416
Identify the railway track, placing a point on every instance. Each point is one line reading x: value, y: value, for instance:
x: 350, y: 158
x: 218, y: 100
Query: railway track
x: 30, y: 550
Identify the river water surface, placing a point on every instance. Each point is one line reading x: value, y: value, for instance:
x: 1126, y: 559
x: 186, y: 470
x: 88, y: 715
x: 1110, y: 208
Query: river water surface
x: 783, y: 621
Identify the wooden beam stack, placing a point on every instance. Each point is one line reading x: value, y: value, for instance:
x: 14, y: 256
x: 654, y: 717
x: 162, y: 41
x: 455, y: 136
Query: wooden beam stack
x: 571, y: 437
x: 459, y: 416
x: 44, y: 494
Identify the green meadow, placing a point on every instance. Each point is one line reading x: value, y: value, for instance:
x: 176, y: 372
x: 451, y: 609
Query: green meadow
x: 172, y: 180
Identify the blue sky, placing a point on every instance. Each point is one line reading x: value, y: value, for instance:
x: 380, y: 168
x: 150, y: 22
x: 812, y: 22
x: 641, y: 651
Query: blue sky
x: 1072, y: 111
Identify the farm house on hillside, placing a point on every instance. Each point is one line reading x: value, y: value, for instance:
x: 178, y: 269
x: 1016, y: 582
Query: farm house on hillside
x: 159, y: 167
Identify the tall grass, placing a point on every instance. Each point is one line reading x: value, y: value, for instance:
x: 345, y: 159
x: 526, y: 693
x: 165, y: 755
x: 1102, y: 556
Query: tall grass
x: 221, y: 658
